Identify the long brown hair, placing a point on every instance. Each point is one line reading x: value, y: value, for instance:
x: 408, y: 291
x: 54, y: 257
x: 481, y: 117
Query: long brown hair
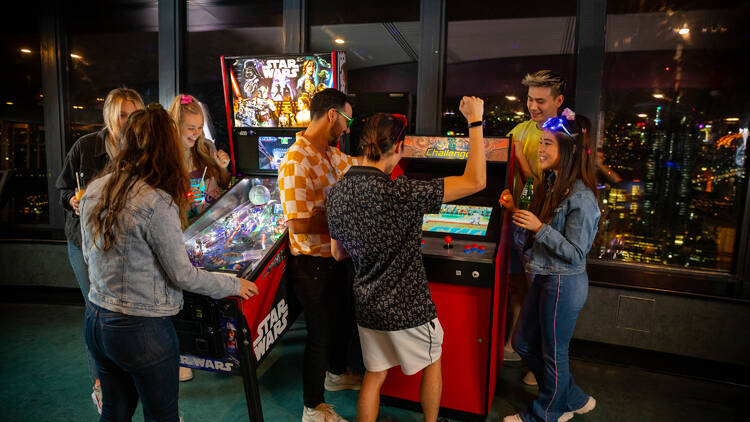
x: 200, y: 153
x: 380, y: 133
x: 577, y: 155
x: 149, y: 153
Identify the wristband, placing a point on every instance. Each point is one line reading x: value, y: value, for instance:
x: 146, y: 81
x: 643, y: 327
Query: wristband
x: 475, y: 124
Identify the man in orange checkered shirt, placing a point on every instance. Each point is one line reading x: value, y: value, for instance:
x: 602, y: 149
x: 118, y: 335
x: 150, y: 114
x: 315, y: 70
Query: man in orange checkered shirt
x: 308, y: 170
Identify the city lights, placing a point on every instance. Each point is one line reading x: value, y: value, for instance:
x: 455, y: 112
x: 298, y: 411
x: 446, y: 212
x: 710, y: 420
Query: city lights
x: 732, y: 119
x: 642, y: 115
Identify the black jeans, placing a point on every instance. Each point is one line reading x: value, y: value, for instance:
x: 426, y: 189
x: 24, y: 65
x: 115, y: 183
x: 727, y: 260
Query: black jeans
x: 323, y: 287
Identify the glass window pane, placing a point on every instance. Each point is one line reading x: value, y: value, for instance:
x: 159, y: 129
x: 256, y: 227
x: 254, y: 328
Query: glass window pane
x: 226, y: 28
x: 491, y: 48
x: 112, y: 44
x: 23, y: 159
x: 381, y: 40
x: 675, y: 102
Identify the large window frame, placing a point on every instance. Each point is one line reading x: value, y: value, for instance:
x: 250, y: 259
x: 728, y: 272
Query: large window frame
x: 589, y: 51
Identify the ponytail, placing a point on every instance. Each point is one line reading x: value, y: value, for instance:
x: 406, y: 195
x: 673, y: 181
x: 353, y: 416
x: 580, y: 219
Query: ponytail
x: 381, y: 132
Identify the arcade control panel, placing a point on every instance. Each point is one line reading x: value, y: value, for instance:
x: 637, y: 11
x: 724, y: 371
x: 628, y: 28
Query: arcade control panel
x: 457, y: 261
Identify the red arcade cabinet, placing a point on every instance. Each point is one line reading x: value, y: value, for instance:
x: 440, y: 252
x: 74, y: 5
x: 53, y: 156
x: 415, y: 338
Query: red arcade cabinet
x: 465, y: 254
x: 244, y: 232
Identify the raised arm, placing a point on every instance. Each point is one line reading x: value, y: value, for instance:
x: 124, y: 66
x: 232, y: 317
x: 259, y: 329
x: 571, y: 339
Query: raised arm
x: 474, y: 178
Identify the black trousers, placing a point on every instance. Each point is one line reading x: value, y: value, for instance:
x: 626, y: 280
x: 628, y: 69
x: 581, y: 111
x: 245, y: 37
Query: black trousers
x: 324, y: 288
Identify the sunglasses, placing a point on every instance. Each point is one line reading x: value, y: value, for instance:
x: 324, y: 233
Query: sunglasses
x: 349, y: 120
x: 556, y: 123
x: 403, y: 121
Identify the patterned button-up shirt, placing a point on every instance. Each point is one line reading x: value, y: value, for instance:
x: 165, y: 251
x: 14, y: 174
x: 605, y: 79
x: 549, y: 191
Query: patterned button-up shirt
x: 305, y: 176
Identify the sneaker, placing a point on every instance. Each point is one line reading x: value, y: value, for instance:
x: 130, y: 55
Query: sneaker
x: 96, y: 396
x: 186, y: 374
x: 510, y: 355
x: 586, y: 408
x: 345, y: 381
x: 322, y: 413
x: 529, y: 379
x: 513, y: 418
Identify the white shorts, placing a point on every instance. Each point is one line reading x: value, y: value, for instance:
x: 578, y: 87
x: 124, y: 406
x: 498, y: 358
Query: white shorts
x: 412, y: 348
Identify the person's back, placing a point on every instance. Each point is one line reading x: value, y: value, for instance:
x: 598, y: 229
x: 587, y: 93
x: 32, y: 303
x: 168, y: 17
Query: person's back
x: 390, y: 285
x: 378, y: 222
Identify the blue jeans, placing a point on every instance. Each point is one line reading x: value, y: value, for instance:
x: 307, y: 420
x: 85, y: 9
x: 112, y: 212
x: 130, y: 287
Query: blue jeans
x: 136, y: 357
x: 80, y: 269
x: 542, y: 337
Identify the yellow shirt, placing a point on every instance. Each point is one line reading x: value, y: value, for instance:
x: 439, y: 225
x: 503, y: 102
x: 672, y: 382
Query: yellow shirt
x: 529, y: 135
x: 305, y: 176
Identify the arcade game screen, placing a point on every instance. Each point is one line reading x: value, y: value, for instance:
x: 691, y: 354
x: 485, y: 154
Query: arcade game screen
x: 271, y: 150
x: 276, y: 92
x: 241, y: 237
x: 458, y: 219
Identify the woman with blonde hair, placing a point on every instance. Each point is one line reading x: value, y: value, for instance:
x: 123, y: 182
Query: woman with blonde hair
x: 206, y: 167
x: 86, y: 159
x: 138, y: 265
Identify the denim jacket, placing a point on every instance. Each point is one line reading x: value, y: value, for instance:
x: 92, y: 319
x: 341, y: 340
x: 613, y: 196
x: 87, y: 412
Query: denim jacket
x: 146, y: 270
x: 561, y: 246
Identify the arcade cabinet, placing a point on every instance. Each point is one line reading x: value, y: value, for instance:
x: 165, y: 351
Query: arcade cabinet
x: 465, y: 253
x: 244, y: 232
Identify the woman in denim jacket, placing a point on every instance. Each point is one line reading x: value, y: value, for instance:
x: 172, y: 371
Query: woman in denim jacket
x: 555, y: 236
x: 138, y: 266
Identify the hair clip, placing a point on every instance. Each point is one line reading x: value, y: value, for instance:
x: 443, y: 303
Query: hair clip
x: 154, y: 106
x: 186, y: 99
x: 568, y: 114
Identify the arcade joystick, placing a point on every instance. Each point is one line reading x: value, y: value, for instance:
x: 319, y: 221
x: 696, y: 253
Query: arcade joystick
x: 448, y: 242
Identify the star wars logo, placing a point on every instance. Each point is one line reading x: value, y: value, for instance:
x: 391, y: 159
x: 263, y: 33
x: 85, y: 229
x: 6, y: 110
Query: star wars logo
x: 280, y: 69
x: 271, y: 328
x: 196, y: 362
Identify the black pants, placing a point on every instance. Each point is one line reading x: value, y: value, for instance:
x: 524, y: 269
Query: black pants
x: 323, y: 287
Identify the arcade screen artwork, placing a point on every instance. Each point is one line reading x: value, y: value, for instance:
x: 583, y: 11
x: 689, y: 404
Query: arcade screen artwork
x: 458, y: 219
x: 453, y: 148
x: 276, y: 91
x: 240, y: 238
x: 271, y: 150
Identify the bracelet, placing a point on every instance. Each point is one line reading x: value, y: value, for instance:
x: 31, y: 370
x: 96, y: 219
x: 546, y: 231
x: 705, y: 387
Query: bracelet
x: 475, y: 124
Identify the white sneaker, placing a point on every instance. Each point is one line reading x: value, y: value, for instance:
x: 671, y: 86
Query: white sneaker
x: 322, y: 413
x: 345, y: 381
x: 586, y: 408
x: 96, y: 396
x: 186, y: 374
x: 529, y: 379
x: 513, y: 418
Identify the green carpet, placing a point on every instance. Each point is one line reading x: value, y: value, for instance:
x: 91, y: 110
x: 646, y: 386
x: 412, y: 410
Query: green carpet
x: 44, y: 377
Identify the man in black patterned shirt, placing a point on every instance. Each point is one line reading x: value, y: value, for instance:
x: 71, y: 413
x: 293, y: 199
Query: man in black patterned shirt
x: 378, y: 222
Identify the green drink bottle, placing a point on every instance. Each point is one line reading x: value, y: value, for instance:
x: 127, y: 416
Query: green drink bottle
x: 527, y: 195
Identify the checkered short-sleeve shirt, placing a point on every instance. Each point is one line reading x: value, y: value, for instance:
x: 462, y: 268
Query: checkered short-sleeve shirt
x: 305, y: 176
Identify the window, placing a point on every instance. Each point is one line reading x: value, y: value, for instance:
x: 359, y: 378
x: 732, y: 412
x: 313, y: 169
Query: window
x: 112, y: 44
x: 674, y: 106
x: 489, y: 50
x: 381, y: 40
x: 226, y: 28
x: 23, y: 161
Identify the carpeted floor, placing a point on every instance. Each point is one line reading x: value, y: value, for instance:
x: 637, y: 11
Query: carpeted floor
x: 45, y: 378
